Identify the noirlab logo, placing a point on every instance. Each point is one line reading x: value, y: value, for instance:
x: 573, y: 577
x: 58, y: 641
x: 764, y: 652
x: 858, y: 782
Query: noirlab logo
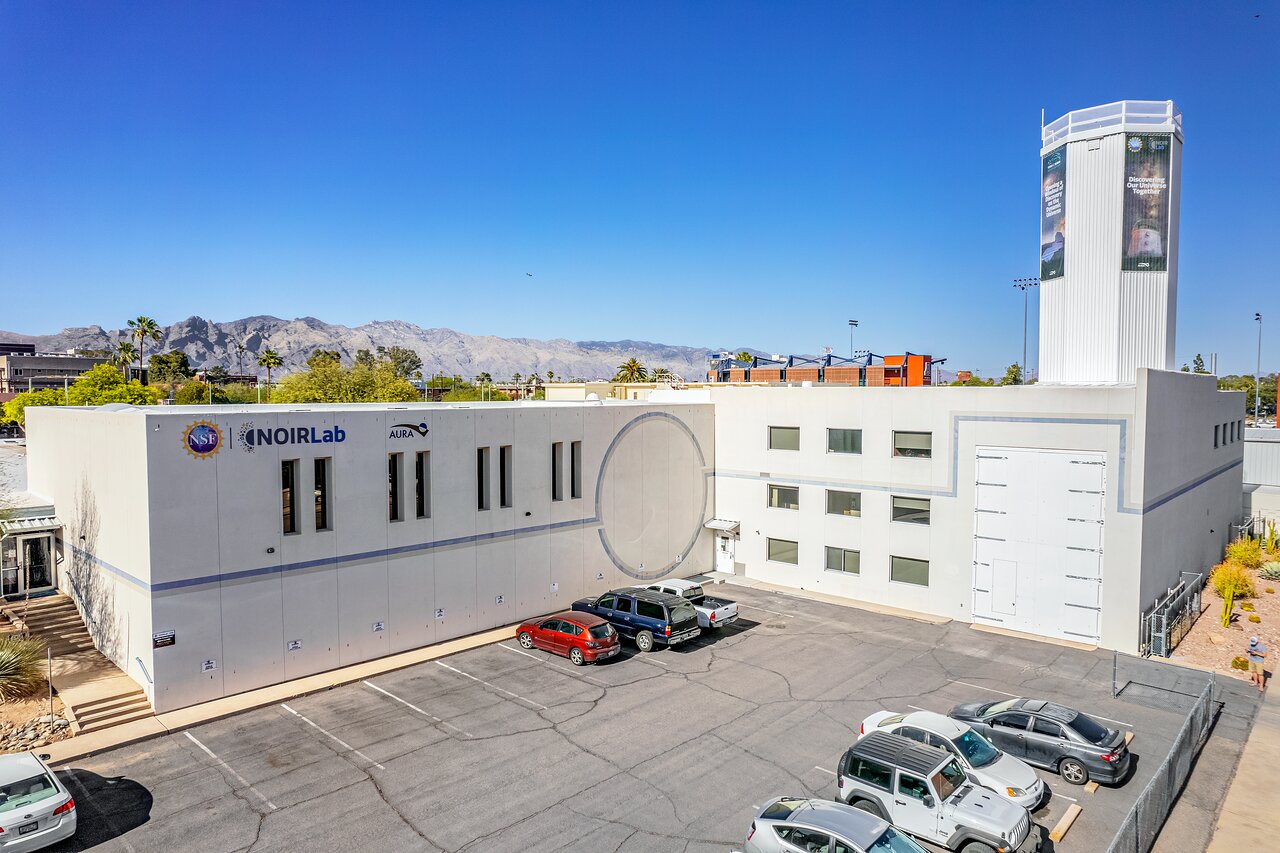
x: 408, y: 430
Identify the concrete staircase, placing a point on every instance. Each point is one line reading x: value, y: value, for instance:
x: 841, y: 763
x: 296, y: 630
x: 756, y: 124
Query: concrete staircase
x: 94, y: 691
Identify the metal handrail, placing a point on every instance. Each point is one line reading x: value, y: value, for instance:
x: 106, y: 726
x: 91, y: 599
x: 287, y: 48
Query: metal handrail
x: 1113, y: 114
x: 143, y: 667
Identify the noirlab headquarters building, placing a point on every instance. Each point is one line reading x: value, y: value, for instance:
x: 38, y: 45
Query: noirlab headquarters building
x: 215, y: 550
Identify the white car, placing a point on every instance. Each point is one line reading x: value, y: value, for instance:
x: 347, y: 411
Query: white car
x: 1009, y: 777
x: 35, y: 809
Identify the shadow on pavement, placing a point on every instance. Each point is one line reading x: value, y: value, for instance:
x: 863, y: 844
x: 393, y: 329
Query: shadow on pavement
x: 106, y: 808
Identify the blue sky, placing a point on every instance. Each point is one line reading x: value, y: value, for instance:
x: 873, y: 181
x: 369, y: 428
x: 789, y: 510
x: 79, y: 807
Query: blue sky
x: 701, y: 173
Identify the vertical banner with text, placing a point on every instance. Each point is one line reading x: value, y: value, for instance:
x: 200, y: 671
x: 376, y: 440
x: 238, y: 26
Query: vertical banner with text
x: 1146, y: 202
x: 1053, y: 213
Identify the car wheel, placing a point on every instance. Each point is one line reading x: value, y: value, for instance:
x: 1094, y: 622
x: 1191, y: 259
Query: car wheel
x: 526, y: 640
x: 576, y: 658
x: 868, y: 807
x: 977, y: 847
x: 644, y: 641
x: 1073, y: 771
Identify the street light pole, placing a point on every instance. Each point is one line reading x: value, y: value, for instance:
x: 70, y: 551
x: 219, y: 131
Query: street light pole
x: 1257, y: 373
x: 1024, y: 284
x: 853, y: 324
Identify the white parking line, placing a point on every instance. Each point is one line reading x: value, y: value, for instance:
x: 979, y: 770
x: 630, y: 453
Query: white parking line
x: 1063, y: 796
x: 1109, y: 720
x: 917, y: 708
x: 412, y: 707
x: 824, y: 770
x: 227, y: 768
x: 766, y: 610
x: 348, y: 747
x: 494, y: 686
x: 647, y: 659
x: 1015, y: 696
x: 554, y: 664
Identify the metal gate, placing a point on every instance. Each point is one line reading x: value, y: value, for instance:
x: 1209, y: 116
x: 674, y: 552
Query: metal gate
x: 1165, y: 626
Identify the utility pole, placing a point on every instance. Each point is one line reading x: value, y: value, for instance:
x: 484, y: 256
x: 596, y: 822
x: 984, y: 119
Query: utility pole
x: 1257, y: 374
x: 1024, y: 284
x: 853, y: 324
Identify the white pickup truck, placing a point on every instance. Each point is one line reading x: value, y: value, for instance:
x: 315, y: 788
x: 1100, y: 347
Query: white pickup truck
x: 712, y: 612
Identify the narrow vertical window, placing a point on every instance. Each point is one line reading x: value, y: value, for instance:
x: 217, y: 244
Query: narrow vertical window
x: 322, y: 494
x: 557, y: 463
x: 422, y: 483
x: 482, y: 478
x: 504, y: 475
x: 393, y: 486
x: 288, y: 483
x: 575, y: 470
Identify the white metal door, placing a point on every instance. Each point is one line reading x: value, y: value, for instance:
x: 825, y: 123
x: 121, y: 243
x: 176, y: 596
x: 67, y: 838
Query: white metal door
x: 724, y: 553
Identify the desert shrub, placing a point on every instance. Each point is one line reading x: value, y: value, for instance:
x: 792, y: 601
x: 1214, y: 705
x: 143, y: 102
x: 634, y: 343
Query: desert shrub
x: 21, y: 667
x: 1231, y: 581
x: 1246, y: 552
x: 1271, y: 571
x: 1240, y: 663
x: 1254, y: 617
x: 1270, y: 590
x: 1247, y: 607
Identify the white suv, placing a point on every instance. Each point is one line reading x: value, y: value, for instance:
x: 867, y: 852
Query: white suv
x: 1009, y: 777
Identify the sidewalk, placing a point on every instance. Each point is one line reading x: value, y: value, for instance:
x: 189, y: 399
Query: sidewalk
x: 1247, y: 819
x: 826, y: 598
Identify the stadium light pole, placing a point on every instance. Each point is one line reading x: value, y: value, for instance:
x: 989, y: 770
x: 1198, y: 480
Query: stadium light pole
x: 853, y: 324
x: 1024, y: 284
x: 1257, y: 373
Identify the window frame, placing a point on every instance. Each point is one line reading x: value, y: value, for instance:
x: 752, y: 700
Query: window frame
x: 789, y: 430
x: 575, y: 470
x: 557, y: 473
x: 773, y: 493
x: 395, y: 477
x: 768, y: 551
x: 320, y: 488
x: 857, y: 499
x: 289, y: 497
x: 857, y: 762
x: 894, y: 510
x: 897, y: 449
x: 422, y: 483
x: 505, y: 492
x: 892, y: 579
x: 844, y: 556
x: 857, y: 431
x: 484, y: 497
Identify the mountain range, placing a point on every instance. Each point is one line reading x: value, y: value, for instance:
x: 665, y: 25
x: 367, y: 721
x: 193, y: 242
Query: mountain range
x: 208, y: 343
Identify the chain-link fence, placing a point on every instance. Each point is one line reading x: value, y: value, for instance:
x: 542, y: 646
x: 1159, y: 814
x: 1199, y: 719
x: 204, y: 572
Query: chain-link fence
x: 1138, y: 831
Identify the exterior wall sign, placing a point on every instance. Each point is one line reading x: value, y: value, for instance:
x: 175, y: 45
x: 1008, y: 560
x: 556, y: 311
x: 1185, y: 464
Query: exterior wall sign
x: 209, y: 666
x: 499, y: 599
x: 379, y: 627
x: 295, y: 645
x: 202, y: 439
x: 439, y: 612
x: 251, y: 437
x: 1145, y: 246
x: 164, y: 639
x: 408, y: 430
x: 1053, y: 213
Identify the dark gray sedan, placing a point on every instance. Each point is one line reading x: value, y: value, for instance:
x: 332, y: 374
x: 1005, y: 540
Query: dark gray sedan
x: 1051, y: 736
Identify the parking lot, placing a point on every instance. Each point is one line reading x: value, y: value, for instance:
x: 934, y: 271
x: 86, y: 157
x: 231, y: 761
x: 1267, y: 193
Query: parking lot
x: 501, y: 749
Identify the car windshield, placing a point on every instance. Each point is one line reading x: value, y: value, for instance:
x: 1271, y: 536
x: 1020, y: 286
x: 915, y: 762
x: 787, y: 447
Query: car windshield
x: 998, y: 707
x: 683, y: 613
x: 976, y: 749
x: 601, y: 632
x: 893, y: 841
x: 17, y: 795
x: 1089, y: 729
x: 948, y: 779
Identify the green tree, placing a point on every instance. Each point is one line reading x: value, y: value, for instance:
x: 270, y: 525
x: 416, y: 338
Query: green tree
x: 404, y: 361
x: 975, y: 382
x: 15, y: 409
x: 217, y: 374
x: 742, y: 356
x: 1185, y: 369
x: 1012, y: 375
x: 468, y: 393
x: 365, y: 358
x: 172, y: 366
x: 269, y: 358
x: 142, y: 329
x: 1197, y: 364
x: 320, y: 355
x: 551, y: 376
x: 103, y: 385
x: 660, y: 374
x: 516, y: 377
x: 198, y: 393
x: 483, y: 378
x: 631, y: 370
x: 123, y: 356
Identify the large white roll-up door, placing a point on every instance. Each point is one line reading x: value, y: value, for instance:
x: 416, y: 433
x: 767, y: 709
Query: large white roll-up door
x: 1037, y: 544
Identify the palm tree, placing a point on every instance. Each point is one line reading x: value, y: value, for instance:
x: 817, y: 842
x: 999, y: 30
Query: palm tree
x: 631, y: 370
x: 123, y: 356
x: 141, y: 329
x: 269, y: 359
x: 551, y: 376
x: 660, y: 374
x: 483, y: 377
x: 240, y: 348
x: 742, y: 356
x: 515, y: 378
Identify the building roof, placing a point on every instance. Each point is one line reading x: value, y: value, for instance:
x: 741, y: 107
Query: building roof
x: 284, y: 408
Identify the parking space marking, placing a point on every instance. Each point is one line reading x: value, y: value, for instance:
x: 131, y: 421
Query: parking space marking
x: 227, y: 768
x: 992, y: 689
x: 413, y: 707
x: 1063, y: 796
x: 494, y: 686
x: 348, y: 747
x: 545, y: 662
x: 825, y: 770
x: 766, y: 610
x: 104, y: 813
x: 918, y: 708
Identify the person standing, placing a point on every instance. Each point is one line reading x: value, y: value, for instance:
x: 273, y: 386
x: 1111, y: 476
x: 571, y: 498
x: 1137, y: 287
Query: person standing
x: 1257, y: 663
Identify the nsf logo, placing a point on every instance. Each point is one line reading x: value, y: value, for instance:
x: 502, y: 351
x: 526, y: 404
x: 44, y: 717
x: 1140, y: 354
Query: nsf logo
x: 1135, y: 144
x: 202, y: 439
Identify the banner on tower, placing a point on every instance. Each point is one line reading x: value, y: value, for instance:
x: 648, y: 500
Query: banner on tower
x: 1053, y: 213
x: 1146, y: 202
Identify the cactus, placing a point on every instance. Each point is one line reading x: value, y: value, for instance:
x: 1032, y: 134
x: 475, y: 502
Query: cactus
x: 1254, y: 617
x: 1271, y: 571
x: 1247, y: 607
x: 1272, y: 539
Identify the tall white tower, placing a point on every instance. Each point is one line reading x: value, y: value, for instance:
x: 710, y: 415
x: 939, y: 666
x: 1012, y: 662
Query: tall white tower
x: 1109, y: 282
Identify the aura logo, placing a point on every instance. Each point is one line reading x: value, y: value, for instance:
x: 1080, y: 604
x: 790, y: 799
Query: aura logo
x: 202, y: 439
x: 408, y: 430
x: 251, y: 437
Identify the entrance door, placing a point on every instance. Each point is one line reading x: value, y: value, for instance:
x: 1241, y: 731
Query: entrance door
x: 8, y: 566
x: 36, y: 560
x: 724, y: 553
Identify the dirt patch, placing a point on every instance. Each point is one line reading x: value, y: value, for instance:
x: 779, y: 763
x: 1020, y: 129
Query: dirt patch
x: 1212, y: 646
x: 26, y: 724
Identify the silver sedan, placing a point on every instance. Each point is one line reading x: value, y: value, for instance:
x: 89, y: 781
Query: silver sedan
x: 799, y: 825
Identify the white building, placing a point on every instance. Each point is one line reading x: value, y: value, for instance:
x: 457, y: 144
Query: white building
x: 215, y: 550
x: 1262, y: 473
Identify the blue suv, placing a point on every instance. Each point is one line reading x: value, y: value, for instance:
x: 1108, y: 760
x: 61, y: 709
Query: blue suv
x: 646, y: 616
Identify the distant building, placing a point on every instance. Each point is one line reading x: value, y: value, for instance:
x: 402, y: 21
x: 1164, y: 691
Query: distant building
x: 24, y: 369
x: 865, y: 369
x: 202, y: 375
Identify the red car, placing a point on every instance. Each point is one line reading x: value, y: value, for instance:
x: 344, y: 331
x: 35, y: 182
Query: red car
x: 581, y: 637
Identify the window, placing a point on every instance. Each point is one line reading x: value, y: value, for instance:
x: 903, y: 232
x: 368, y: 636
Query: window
x: 844, y: 441
x: 551, y: 625
x: 912, y: 733
x: 322, y: 494
x: 911, y: 510
x: 843, y: 560
x: 804, y: 839
x: 482, y: 478
x: 912, y: 787
x: 393, y: 485
x: 504, y: 475
x: 1217, y: 432
x: 557, y: 463
x: 1233, y: 432
x: 1046, y: 727
x: 907, y: 570
x: 288, y: 483
x: 422, y: 483
x: 623, y: 605
x: 782, y: 551
x: 1011, y: 720
x: 606, y: 602
x: 844, y: 503
x: 870, y: 772
x: 650, y: 610
x: 575, y: 469
x: 784, y: 438
x: 571, y: 629
x: 915, y: 444
x: 784, y: 497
